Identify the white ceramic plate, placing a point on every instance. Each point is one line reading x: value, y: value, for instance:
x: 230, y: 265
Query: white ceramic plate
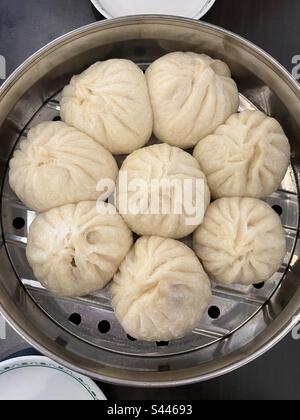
x: 38, y: 378
x: 186, y: 8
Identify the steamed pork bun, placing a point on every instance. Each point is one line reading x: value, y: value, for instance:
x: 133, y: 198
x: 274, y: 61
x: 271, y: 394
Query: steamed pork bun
x: 241, y: 241
x: 110, y: 102
x: 162, y: 167
x: 191, y: 95
x: 161, y: 290
x: 248, y: 156
x: 58, y: 165
x: 76, y: 249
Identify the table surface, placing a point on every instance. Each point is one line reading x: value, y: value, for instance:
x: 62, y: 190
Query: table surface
x: 273, y: 25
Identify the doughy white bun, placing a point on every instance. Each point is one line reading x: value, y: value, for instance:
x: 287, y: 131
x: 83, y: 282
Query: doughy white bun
x: 248, y: 156
x: 163, y: 164
x: 58, y: 165
x: 191, y: 95
x: 161, y: 291
x: 75, y: 250
x: 240, y: 241
x: 110, y: 102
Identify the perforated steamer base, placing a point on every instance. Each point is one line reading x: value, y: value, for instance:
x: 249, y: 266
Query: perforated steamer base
x: 92, y: 320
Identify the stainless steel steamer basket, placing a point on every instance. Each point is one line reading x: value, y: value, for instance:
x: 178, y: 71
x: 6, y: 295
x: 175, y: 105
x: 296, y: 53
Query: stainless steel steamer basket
x: 83, y: 334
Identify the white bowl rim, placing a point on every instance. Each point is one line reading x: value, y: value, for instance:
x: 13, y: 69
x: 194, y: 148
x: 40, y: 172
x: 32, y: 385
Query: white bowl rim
x: 206, y: 7
x: 24, y: 362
